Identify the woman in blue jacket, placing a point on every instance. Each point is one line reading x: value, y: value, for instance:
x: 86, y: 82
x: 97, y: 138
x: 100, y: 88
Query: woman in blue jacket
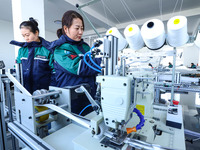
x: 36, y: 59
x: 69, y: 65
x: 193, y: 66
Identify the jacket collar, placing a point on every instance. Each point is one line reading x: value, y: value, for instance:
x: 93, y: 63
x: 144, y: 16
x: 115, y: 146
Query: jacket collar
x: 42, y: 42
x: 65, y: 39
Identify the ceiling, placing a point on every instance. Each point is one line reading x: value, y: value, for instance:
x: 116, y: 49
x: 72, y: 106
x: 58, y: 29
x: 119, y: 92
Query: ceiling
x: 119, y: 13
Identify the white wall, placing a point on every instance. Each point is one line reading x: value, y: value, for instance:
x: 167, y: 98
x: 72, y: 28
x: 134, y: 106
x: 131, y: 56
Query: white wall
x: 190, y: 55
x: 50, y: 36
x: 7, y: 51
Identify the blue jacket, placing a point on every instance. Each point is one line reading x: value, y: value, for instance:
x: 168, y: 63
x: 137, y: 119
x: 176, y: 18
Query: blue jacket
x: 37, y: 64
x: 69, y: 65
x: 193, y: 66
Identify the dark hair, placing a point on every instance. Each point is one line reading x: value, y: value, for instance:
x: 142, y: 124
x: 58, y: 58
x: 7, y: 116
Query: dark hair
x: 32, y: 25
x: 67, y: 20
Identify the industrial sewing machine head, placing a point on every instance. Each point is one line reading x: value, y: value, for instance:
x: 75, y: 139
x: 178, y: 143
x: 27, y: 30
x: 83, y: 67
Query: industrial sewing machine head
x: 117, y: 104
x: 117, y: 91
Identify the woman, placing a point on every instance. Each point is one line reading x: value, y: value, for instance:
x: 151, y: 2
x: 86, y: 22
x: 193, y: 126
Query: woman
x: 36, y: 59
x: 170, y: 65
x: 69, y: 65
x: 193, y: 66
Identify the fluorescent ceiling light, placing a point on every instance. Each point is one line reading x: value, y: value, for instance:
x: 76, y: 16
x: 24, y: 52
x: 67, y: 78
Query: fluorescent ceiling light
x: 57, y: 21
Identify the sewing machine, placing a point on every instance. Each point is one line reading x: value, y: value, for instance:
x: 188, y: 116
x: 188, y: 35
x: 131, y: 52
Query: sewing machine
x: 124, y: 115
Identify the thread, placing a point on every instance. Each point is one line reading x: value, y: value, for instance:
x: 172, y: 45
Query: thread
x: 133, y: 37
x: 177, y: 31
x: 153, y: 34
x: 122, y: 43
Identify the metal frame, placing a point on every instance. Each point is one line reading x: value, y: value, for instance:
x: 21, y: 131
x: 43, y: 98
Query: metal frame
x: 27, y: 137
x: 173, y: 76
x: 84, y: 15
x: 8, y: 96
x: 3, y: 138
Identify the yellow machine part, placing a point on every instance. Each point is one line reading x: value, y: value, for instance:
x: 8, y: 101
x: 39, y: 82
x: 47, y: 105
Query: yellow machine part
x: 44, y: 117
x: 141, y: 108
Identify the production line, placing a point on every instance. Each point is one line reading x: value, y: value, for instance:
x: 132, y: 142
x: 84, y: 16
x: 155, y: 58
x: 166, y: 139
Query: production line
x: 125, y: 113
x: 128, y: 113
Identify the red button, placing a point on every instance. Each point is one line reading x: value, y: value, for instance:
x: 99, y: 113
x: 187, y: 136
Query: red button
x: 175, y: 102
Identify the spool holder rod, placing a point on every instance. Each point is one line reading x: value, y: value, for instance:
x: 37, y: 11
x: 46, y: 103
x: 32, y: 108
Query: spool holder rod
x: 173, y: 76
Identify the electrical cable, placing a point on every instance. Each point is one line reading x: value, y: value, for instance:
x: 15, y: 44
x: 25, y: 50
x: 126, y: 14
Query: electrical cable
x: 89, y: 53
x: 84, y: 58
x: 126, y: 10
x: 85, y: 108
x: 181, y: 6
x: 94, y: 62
x: 129, y: 10
x: 174, y: 7
x: 105, y: 14
x: 160, y: 7
x: 110, y: 12
x: 92, y: 48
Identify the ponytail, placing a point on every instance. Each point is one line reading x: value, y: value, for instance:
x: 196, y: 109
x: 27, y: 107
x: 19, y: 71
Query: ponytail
x: 59, y: 33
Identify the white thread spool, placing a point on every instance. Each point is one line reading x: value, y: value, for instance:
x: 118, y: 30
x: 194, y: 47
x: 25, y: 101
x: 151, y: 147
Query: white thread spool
x: 133, y: 37
x: 122, y: 43
x: 153, y: 34
x: 177, y: 31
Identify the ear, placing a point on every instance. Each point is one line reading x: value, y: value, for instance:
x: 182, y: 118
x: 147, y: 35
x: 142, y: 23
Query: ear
x: 65, y: 29
x: 37, y: 33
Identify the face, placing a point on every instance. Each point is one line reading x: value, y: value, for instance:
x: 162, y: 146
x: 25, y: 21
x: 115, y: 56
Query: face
x: 29, y: 36
x: 75, y: 32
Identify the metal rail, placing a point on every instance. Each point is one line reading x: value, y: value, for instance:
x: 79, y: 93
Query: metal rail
x: 179, y: 89
x: 85, y: 16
